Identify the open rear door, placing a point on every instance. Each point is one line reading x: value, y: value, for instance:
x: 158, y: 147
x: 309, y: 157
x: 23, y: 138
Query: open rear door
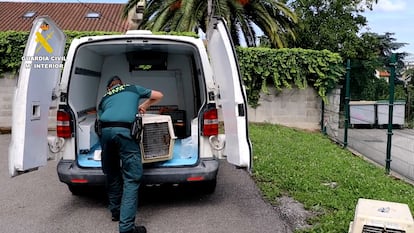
x: 38, y: 77
x: 232, y: 96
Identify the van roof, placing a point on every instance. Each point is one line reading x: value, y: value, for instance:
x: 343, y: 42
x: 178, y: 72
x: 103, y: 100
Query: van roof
x: 141, y: 34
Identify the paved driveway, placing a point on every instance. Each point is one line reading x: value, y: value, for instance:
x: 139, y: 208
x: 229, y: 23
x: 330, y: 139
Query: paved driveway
x: 38, y: 203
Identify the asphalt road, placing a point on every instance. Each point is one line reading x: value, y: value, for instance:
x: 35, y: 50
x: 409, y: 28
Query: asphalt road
x: 37, y: 202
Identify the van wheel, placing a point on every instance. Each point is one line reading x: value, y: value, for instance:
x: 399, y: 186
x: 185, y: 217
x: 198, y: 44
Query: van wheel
x: 208, y: 187
x: 76, y: 190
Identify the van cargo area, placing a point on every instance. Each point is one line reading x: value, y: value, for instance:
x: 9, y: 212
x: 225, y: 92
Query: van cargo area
x: 172, y: 68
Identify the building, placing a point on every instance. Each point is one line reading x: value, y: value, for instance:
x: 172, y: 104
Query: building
x: 408, y: 72
x: 18, y: 16
x: 382, y: 74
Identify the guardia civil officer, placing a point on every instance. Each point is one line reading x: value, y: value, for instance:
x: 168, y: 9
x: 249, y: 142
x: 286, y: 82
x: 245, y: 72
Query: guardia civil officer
x: 121, y: 156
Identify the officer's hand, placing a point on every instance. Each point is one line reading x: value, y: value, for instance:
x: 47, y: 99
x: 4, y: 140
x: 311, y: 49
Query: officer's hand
x: 142, y: 109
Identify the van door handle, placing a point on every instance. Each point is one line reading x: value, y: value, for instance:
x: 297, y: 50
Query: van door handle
x: 240, y: 108
x: 35, y: 111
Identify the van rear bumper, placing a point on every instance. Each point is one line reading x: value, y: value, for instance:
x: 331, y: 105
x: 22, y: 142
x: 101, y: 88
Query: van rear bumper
x: 206, y: 170
x: 70, y: 173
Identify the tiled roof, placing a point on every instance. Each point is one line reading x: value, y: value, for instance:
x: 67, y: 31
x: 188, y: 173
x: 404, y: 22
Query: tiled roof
x: 68, y: 16
x: 384, y: 74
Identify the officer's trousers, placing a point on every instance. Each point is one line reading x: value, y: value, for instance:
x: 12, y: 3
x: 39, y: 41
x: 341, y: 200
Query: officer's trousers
x: 121, y: 163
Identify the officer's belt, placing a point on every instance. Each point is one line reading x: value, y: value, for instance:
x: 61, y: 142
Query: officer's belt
x: 116, y: 124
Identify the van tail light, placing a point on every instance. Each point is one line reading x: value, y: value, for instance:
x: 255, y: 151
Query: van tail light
x: 79, y: 181
x: 195, y: 178
x: 63, y: 128
x: 210, y: 122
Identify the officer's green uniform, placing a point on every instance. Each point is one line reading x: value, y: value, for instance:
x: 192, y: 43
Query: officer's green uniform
x: 120, y: 104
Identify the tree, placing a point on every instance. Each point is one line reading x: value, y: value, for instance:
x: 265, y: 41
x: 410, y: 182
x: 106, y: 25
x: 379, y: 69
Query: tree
x: 364, y: 61
x: 244, y: 17
x: 330, y: 24
x: 386, y: 47
x: 373, y: 52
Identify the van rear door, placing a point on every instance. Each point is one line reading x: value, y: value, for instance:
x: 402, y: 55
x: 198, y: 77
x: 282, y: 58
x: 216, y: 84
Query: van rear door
x: 38, y: 77
x: 232, y: 95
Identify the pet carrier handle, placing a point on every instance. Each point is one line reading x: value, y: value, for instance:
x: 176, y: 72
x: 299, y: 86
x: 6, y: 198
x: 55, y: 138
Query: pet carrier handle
x: 136, y: 127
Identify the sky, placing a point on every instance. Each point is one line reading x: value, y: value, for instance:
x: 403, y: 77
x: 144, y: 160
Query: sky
x: 394, y: 16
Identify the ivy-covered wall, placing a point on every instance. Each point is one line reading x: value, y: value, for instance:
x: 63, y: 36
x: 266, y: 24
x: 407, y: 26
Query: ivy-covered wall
x: 281, y: 68
x: 284, y: 68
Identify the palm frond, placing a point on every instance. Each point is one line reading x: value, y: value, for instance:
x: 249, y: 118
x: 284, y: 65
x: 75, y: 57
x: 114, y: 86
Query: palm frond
x: 273, y: 17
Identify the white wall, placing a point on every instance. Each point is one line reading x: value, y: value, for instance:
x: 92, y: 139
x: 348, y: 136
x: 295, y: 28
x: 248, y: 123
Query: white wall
x: 289, y: 107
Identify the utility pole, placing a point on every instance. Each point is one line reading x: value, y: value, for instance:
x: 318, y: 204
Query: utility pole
x: 136, y: 15
x: 209, y: 8
x: 210, y: 11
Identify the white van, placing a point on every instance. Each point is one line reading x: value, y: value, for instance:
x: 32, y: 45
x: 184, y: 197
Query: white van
x: 198, y: 87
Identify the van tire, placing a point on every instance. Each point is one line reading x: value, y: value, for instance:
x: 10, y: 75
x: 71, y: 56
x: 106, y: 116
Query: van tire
x: 76, y: 190
x: 208, y: 187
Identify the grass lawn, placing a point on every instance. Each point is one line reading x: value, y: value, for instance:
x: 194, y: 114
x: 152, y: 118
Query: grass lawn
x: 313, y: 170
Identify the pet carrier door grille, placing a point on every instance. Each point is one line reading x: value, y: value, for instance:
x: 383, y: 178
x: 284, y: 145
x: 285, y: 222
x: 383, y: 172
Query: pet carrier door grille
x: 157, y: 138
x: 374, y: 229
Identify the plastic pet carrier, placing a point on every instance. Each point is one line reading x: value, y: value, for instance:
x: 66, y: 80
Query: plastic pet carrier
x: 157, y: 139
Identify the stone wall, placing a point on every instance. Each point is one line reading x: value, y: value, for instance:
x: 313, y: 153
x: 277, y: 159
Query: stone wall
x: 332, y: 113
x: 8, y: 84
x: 7, y: 87
x: 296, y: 108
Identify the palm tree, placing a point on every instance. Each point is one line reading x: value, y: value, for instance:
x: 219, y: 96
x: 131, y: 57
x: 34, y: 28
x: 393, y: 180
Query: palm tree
x: 244, y: 18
